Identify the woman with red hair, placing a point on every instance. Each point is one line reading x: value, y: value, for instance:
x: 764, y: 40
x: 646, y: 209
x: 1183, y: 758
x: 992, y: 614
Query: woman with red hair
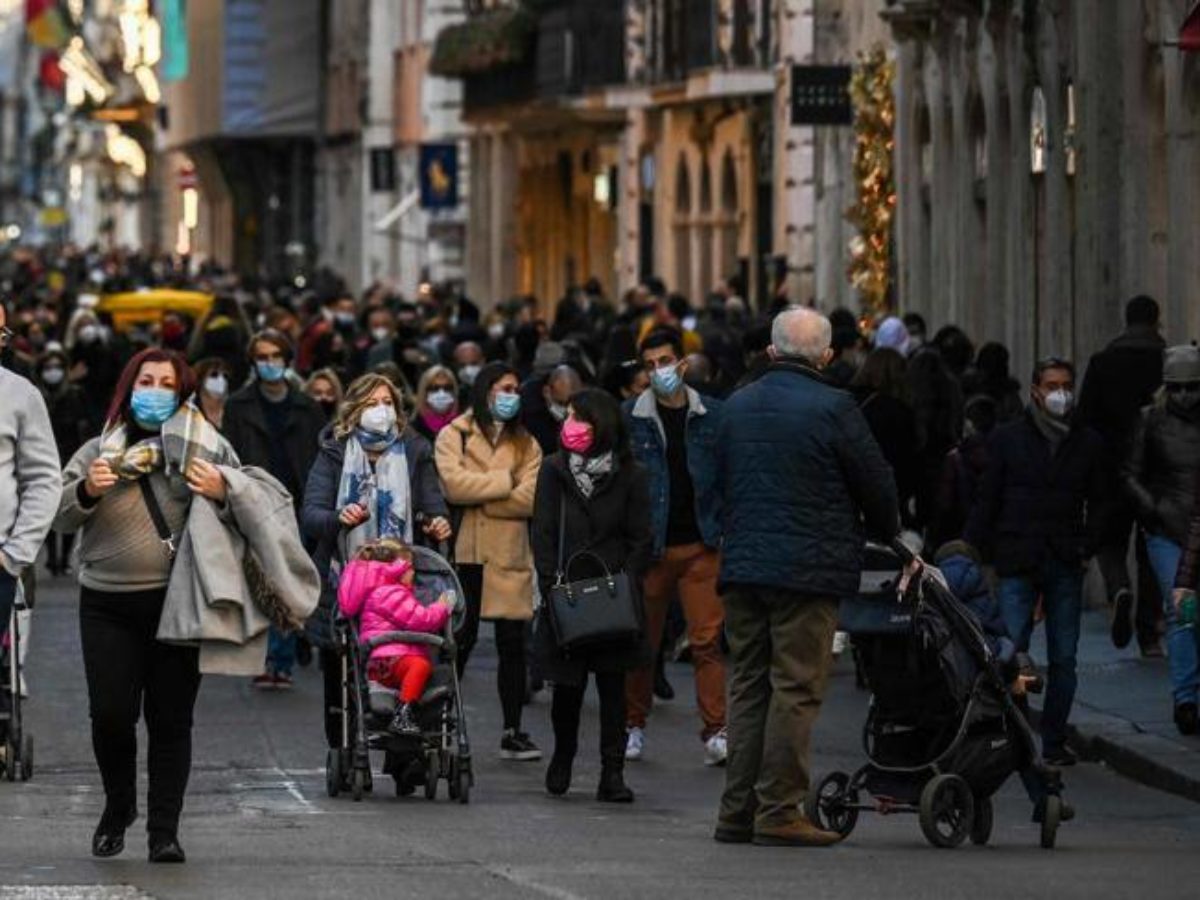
x: 128, y: 493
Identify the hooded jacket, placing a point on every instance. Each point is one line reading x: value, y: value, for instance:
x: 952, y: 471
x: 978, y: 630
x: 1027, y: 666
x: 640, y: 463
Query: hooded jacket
x: 373, y: 592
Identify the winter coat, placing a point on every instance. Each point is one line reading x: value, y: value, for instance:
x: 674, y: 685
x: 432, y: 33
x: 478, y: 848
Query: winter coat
x: 319, y: 514
x: 246, y: 428
x: 30, y: 480
x: 614, y: 523
x: 649, y: 442
x: 964, y: 576
x: 370, y: 590
x: 1120, y: 380
x: 69, y: 417
x: 238, y: 570
x: 961, y: 474
x: 495, y: 484
x: 1189, y: 562
x: 1161, y: 472
x: 801, y: 484
x: 893, y: 424
x: 1034, y: 502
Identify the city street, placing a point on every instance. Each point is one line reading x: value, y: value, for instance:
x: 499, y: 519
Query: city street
x: 258, y: 824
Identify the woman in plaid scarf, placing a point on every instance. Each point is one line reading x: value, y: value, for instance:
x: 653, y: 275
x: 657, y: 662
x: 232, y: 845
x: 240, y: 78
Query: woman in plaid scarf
x: 123, y: 491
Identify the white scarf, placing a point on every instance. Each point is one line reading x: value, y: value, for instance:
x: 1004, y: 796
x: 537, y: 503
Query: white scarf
x: 385, y: 492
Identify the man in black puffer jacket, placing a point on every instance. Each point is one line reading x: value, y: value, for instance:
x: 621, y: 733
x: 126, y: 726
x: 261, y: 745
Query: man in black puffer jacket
x: 801, y: 484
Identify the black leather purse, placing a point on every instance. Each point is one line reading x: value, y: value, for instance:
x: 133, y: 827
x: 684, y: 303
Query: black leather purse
x: 592, y: 610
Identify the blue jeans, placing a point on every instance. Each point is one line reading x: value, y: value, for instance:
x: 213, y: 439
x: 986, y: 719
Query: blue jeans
x: 281, y: 652
x: 1061, y: 588
x: 1182, y: 640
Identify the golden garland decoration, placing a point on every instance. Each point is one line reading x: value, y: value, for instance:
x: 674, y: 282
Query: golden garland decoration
x: 869, y: 269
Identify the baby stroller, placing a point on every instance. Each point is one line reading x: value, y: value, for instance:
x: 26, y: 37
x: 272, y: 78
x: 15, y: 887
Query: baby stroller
x: 943, y: 732
x: 443, y: 750
x: 18, y: 744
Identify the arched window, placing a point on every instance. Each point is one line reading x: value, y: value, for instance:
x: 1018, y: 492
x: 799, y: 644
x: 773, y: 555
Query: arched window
x: 683, y: 227
x: 704, y: 236
x: 727, y: 251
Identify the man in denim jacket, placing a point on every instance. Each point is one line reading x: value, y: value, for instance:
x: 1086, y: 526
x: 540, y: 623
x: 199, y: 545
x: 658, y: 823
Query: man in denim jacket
x: 673, y: 432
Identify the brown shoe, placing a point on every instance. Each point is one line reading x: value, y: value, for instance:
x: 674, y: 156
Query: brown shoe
x: 801, y: 833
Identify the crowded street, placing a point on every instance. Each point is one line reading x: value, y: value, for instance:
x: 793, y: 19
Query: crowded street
x: 593, y: 449
x: 261, y: 826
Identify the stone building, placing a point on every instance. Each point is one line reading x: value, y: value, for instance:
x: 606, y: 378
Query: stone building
x: 1048, y: 167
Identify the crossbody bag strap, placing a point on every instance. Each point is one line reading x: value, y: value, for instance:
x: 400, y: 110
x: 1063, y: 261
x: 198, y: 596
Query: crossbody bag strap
x: 562, y: 537
x: 157, y: 517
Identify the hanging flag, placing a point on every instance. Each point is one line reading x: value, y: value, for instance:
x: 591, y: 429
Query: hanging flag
x: 1189, y: 32
x: 46, y: 25
x: 172, y: 15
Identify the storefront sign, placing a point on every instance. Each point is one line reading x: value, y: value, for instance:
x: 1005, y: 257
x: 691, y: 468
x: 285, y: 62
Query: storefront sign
x: 821, y: 95
x: 439, y: 176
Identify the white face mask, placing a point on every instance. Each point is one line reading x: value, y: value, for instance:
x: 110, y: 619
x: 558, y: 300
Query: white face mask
x: 468, y: 374
x: 216, y: 386
x: 440, y: 401
x: 378, y: 419
x: 496, y: 331
x: 380, y: 334
x: 53, y: 376
x: 558, y: 411
x: 1059, y: 403
x: 89, y: 334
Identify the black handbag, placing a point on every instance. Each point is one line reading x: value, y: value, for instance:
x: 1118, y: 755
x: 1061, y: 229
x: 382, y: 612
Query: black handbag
x: 591, y: 610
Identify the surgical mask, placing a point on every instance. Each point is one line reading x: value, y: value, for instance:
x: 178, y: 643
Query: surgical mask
x: 53, y: 376
x: 468, y: 374
x: 557, y: 410
x: 344, y: 319
x: 216, y: 386
x: 270, y: 372
x: 89, y: 334
x: 666, y: 380
x: 577, y: 437
x: 1059, y: 403
x: 380, y: 334
x: 496, y: 331
x: 379, y: 419
x: 152, y: 407
x: 440, y: 401
x: 505, y: 407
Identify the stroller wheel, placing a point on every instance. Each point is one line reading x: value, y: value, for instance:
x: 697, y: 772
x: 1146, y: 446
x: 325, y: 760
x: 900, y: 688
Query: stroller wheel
x: 947, y: 811
x: 1051, y: 819
x: 333, y: 772
x: 981, y: 828
x: 826, y: 804
x: 431, y: 776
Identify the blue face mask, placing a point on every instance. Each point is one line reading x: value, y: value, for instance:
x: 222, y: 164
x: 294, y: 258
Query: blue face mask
x: 270, y: 372
x: 666, y: 380
x: 152, y: 407
x: 505, y: 407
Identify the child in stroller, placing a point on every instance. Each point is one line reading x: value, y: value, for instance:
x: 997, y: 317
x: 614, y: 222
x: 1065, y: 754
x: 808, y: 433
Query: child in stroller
x: 377, y: 587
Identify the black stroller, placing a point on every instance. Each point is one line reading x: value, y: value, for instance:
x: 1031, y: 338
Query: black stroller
x: 943, y: 733
x: 443, y: 750
x: 18, y: 743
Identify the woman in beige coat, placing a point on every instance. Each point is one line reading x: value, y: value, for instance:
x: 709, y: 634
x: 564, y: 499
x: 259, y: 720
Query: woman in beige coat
x: 489, y: 465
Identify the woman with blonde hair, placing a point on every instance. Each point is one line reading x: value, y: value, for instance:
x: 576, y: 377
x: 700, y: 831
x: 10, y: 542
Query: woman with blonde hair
x: 325, y: 389
x: 437, y: 402
x: 373, y: 478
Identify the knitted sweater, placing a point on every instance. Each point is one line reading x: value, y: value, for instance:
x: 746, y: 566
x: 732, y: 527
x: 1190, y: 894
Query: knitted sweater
x: 29, y: 480
x: 119, y: 548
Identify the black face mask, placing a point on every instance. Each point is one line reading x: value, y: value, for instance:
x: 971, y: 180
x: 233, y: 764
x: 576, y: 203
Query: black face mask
x: 329, y: 407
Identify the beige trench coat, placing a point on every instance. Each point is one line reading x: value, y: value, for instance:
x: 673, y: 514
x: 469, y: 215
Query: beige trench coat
x: 496, y: 483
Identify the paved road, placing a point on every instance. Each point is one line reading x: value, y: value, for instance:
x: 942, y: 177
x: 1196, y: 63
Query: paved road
x: 258, y: 825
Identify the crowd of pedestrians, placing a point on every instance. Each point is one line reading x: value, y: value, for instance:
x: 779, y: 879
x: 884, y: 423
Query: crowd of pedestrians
x: 732, y: 465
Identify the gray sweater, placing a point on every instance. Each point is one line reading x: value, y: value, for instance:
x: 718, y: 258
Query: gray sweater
x: 29, y: 474
x: 119, y: 547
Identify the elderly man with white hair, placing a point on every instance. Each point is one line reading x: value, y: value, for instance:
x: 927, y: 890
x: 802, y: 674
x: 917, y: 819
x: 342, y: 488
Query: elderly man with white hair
x: 802, y: 484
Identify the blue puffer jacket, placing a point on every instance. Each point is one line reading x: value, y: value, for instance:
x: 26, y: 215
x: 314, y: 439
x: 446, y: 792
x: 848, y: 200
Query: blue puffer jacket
x: 650, y: 449
x: 802, y: 483
x: 964, y: 577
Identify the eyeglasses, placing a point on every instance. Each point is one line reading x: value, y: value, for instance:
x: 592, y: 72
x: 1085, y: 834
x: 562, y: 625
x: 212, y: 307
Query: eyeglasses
x: 6, y: 335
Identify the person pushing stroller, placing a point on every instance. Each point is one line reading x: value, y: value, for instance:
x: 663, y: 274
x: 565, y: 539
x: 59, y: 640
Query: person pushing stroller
x: 377, y: 588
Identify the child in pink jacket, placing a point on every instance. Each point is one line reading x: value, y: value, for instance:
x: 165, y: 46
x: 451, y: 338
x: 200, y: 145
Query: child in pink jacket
x: 377, y: 587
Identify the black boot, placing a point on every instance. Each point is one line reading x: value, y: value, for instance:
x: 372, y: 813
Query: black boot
x: 165, y: 848
x: 558, y: 774
x: 612, y: 787
x: 403, y: 723
x: 1187, y: 718
x: 109, y: 837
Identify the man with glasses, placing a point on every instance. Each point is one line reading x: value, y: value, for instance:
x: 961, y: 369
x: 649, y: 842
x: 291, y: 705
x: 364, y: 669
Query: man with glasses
x: 30, y: 478
x: 274, y: 425
x: 1039, y: 515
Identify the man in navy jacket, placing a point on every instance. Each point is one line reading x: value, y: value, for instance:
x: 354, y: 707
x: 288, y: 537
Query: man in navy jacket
x: 801, y: 484
x: 1039, y: 515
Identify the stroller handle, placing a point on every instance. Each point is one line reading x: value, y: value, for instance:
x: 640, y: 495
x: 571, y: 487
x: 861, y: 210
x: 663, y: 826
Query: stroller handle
x: 902, y: 550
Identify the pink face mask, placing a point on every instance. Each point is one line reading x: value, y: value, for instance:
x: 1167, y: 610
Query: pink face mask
x: 577, y: 436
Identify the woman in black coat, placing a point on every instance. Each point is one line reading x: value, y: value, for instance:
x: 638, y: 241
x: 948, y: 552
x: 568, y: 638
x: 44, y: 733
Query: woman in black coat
x: 595, y: 483
x: 880, y: 388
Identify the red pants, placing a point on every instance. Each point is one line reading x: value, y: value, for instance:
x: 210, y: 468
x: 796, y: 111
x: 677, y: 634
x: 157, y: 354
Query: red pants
x: 407, y: 674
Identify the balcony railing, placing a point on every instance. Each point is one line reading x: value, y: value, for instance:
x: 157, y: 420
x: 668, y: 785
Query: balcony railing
x: 580, y: 46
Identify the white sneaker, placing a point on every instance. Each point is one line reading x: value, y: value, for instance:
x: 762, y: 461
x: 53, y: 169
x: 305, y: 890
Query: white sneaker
x: 635, y: 744
x: 716, y: 749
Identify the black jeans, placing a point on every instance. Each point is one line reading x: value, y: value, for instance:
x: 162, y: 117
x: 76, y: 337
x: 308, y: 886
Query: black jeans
x: 129, y: 672
x: 566, y: 706
x: 8, y: 597
x: 1112, y: 559
x: 510, y: 646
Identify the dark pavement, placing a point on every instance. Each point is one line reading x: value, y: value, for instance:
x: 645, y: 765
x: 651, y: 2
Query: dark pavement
x: 258, y: 825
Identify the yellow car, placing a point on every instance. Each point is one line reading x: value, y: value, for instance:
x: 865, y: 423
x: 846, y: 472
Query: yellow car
x: 148, y: 307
